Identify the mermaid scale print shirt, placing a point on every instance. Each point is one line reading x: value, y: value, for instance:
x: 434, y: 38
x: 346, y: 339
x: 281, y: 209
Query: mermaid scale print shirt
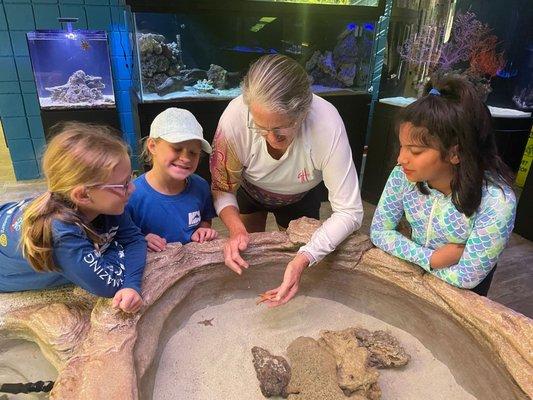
x: 435, y: 221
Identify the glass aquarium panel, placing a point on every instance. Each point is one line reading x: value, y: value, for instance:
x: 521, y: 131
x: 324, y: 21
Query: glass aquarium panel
x: 71, y: 69
x: 205, y: 55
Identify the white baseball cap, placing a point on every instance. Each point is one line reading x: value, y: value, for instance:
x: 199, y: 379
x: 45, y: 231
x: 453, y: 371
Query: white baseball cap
x: 177, y: 125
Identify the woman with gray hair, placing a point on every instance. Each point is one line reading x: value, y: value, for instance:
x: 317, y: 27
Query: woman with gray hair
x: 273, y: 145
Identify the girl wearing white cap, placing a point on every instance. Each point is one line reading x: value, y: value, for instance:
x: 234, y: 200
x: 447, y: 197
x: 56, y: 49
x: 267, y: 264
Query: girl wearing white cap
x: 273, y: 146
x: 171, y: 203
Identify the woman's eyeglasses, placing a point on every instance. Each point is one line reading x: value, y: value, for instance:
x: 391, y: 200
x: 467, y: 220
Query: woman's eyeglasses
x: 283, y: 131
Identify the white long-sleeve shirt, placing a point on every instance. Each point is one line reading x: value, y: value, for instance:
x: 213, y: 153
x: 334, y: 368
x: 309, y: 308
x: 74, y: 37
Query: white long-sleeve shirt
x: 319, y: 152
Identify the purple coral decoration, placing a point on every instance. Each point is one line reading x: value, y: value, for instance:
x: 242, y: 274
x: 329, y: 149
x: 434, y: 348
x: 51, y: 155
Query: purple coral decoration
x: 467, y: 33
x: 424, y: 46
x: 470, y: 50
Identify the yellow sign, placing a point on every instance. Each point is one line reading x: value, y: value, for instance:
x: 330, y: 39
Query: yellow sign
x: 3, y: 240
x: 527, y: 160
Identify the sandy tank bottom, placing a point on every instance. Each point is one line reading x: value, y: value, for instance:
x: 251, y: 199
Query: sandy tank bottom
x: 23, y: 362
x: 210, y: 356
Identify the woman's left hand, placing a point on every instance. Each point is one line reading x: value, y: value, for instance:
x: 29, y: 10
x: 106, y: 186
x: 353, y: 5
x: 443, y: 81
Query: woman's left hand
x: 291, y: 282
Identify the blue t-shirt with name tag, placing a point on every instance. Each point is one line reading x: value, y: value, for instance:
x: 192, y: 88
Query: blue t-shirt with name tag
x: 173, y: 217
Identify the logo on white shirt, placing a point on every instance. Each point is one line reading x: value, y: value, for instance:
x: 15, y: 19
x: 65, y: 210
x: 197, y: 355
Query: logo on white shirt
x: 194, y: 218
x: 303, y: 176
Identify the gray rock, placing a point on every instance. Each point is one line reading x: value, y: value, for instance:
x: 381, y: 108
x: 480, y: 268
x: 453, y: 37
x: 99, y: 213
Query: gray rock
x: 159, y: 60
x: 346, y: 64
x: 217, y: 75
x: 273, y: 372
x: 191, y: 76
x: 80, y: 88
x: 385, y: 350
x: 233, y: 79
x: 172, y: 84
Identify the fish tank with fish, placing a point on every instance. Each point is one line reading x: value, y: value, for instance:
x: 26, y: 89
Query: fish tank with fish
x: 202, y: 51
x: 71, y: 68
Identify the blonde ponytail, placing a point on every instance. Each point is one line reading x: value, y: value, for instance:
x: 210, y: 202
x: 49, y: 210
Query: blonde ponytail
x: 81, y: 154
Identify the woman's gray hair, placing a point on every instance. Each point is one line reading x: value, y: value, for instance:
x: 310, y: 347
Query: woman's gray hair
x: 278, y: 83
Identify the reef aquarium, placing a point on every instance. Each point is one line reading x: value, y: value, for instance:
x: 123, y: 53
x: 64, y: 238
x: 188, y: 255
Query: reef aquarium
x: 203, y: 50
x: 71, y: 68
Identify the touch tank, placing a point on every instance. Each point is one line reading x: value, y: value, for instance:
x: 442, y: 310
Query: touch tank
x: 71, y: 68
x: 204, y: 53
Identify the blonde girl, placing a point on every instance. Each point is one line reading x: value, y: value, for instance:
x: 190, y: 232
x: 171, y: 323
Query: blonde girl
x: 77, y: 231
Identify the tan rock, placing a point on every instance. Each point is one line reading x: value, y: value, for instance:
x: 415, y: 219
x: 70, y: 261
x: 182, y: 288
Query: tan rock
x: 314, y: 372
x: 353, y: 373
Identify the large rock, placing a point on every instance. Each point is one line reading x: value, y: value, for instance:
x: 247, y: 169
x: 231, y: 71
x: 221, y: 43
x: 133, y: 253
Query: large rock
x: 273, y: 372
x: 102, y: 353
x: 354, y: 375
x: 314, y: 372
x: 385, y: 350
x: 159, y: 60
x: 80, y: 88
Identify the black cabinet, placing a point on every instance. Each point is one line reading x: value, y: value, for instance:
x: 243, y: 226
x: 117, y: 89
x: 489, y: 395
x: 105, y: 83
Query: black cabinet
x: 103, y: 116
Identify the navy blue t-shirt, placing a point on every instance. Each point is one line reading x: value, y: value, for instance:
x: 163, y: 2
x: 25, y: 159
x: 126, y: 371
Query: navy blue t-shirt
x: 173, y: 217
x: 102, y: 270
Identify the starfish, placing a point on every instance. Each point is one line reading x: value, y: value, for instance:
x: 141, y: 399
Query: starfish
x: 207, y: 322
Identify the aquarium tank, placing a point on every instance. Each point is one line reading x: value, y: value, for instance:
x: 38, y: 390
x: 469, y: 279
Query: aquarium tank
x: 205, y: 53
x: 71, y: 68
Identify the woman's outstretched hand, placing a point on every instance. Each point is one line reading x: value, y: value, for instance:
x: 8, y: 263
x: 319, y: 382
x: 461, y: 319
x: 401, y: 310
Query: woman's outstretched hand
x: 291, y: 282
x: 232, y: 251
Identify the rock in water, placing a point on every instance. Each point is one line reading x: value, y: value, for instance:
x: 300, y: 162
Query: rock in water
x: 273, y: 372
x: 159, y: 60
x: 223, y: 79
x: 217, y: 75
x: 314, y: 372
x: 172, y: 84
x: 191, y: 76
x: 354, y: 376
x: 80, y: 88
x: 385, y: 350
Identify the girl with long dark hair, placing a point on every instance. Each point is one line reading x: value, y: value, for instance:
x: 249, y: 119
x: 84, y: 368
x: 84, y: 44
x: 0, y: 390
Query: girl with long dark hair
x: 451, y: 185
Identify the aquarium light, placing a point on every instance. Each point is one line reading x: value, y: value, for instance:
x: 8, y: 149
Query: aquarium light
x: 71, y: 35
x: 257, y: 27
x: 268, y: 20
x: 261, y: 24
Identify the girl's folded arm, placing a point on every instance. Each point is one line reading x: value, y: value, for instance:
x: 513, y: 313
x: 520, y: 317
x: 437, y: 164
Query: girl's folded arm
x: 388, y: 214
x: 492, y: 229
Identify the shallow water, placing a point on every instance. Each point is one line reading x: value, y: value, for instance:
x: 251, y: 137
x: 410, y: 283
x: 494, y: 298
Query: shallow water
x: 202, y: 362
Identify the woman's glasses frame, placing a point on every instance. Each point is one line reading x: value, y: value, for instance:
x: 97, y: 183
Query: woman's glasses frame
x: 283, y: 131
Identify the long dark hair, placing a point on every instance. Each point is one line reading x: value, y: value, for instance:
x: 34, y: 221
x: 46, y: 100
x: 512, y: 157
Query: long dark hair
x: 454, y: 117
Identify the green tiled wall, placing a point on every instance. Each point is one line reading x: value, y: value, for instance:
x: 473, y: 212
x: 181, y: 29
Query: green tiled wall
x: 19, y: 106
